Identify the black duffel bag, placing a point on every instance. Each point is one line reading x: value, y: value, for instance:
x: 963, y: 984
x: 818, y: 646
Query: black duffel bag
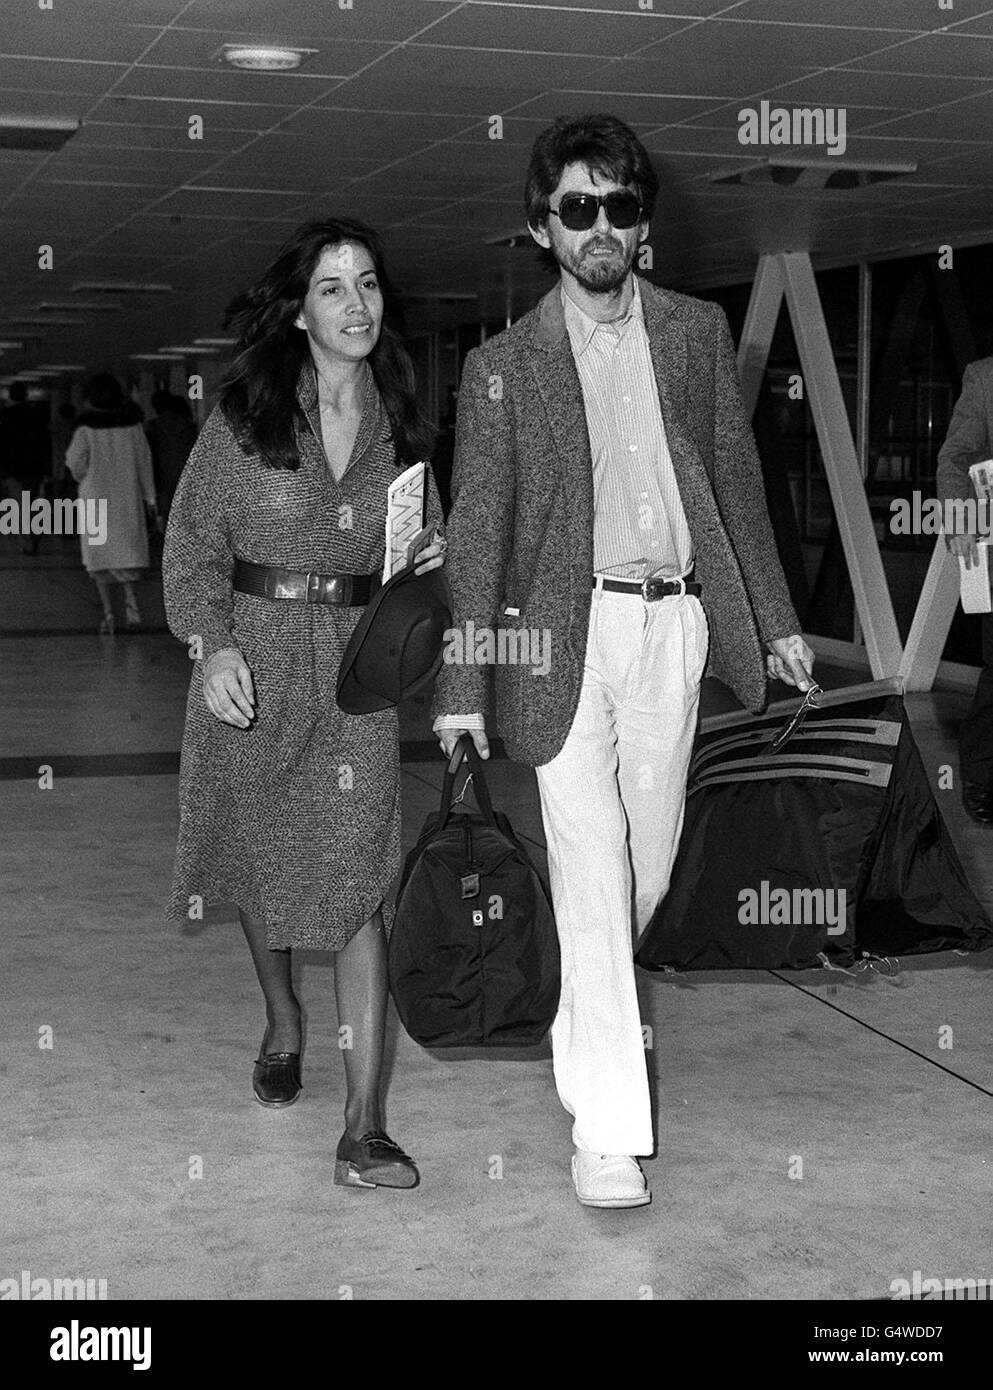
x: 473, y: 954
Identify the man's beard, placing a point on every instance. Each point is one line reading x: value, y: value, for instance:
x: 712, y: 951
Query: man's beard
x: 595, y: 274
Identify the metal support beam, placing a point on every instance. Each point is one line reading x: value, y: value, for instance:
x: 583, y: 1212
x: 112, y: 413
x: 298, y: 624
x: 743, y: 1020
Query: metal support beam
x: 932, y: 619
x: 841, y: 465
x: 760, y: 325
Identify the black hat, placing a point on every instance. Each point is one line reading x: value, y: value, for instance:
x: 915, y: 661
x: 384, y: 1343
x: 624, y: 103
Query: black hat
x: 395, y: 649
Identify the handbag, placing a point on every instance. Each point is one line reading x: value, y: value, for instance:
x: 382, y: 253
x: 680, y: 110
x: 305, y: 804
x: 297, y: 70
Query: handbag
x: 473, y: 953
x: 815, y: 843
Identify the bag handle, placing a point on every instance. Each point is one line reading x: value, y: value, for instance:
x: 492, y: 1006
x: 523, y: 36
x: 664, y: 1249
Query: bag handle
x: 465, y: 748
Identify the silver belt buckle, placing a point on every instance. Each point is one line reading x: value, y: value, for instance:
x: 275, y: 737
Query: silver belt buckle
x: 313, y: 586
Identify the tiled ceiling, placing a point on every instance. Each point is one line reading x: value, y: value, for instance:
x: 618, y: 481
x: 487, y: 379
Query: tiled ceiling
x: 389, y: 121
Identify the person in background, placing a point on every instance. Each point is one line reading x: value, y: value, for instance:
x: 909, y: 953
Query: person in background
x: 23, y: 452
x: 63, y: 424
x: 970, y: 440
x: 109, y: 458
x: 171, y: 435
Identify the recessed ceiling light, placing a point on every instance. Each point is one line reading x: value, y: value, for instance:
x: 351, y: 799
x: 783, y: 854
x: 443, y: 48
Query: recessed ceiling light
x: 35, y: 132
x: 263, y: 57
x: 798, y: 171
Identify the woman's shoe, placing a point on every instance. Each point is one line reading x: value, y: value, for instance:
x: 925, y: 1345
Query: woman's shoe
x: 373, y: 1161
x: 132, y: 617
x: 276, y: 1078
x: 106, y: 624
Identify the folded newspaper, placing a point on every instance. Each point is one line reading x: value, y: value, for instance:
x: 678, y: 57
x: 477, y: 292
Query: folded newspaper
x: 974, y: 581
x: 405, y: 529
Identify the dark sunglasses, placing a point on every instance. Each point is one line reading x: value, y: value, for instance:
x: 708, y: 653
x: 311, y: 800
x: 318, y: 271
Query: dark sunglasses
x: 579, y: 211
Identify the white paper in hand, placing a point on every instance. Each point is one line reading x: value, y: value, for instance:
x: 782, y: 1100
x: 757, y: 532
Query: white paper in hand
x: 974, y: 583
x: 404, y: 516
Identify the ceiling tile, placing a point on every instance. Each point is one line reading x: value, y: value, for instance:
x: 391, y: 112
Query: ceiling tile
x: 909, y: 15
x: 175, y: 115
x: 195, y: 49
x: 302, y: 19
x: 936, y: 55
x: 46, y: 75
x: 536, y: 30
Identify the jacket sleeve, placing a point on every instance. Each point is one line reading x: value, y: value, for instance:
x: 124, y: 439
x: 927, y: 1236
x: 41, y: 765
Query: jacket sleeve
x: 968, y: 438
x: 197, y: 558
x: 741, y: 497
x: 480, y: 526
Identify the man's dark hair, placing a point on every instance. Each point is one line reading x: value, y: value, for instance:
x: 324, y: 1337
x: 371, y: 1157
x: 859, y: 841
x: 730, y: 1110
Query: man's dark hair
x: 601, y: 142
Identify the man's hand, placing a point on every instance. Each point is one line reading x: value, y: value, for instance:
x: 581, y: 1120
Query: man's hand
x: 448, y: 738
x: 791, y: 661
x: 965, y: 548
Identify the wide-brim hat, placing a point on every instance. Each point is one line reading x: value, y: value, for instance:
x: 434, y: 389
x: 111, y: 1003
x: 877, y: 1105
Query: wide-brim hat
x: 396, y: 648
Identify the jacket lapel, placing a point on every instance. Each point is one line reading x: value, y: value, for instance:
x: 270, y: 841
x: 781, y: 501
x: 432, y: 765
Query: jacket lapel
x: 558, y: 385
x: 667, y: 341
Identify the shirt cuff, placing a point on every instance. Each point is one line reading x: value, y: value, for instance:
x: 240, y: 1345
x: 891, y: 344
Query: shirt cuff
x: 458, y: 721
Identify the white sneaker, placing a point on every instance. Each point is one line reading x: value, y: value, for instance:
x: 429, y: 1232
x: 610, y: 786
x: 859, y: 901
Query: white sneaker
x: 609, y: 1180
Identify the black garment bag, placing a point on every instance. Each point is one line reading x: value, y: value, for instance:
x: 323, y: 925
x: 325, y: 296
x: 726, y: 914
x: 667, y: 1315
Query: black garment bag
x: 827, y: 850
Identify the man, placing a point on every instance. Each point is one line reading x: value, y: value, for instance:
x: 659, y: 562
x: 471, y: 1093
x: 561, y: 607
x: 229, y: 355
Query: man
x: 601, y: 443
x: 23, y: 452
x: 970, y: 440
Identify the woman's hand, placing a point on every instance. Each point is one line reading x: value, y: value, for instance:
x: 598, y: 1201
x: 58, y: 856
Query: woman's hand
x: 228, y: 688
x: 433, y: 555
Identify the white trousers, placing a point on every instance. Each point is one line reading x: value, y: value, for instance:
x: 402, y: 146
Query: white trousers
x: 612, y: 804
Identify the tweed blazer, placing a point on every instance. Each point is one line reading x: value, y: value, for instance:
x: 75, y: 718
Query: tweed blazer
x: 970, y: 432
x: 521, y: 525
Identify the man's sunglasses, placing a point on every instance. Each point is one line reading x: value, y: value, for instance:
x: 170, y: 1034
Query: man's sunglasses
x: 579, y: 211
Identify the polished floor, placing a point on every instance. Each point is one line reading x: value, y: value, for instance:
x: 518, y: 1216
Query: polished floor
x: 134, y: 1152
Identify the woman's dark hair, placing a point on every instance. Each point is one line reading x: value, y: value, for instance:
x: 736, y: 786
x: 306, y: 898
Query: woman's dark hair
x: 103, y: 392
x: 259, y: 391
x: 601, y: 142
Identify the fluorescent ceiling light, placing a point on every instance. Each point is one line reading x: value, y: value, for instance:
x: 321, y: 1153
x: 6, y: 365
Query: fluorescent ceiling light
x: 11, y: 344
x: 215, y: 342
x: 191, y: 350
x: 257, y: 57
x: 49, y: 321
x: 119, y: 287
x: 59, y: 367
x: 35, y: 132
x: 155, y: 357
x: 97, y: 306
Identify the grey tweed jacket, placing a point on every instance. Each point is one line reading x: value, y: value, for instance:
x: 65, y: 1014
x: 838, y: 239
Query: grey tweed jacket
x: 521, y: 526
x: 970, y: 432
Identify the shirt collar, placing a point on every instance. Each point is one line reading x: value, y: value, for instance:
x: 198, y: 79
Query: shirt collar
x: 581, y: 326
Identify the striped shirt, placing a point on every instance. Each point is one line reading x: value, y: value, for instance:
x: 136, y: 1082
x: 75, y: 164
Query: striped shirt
x: 639, y: 526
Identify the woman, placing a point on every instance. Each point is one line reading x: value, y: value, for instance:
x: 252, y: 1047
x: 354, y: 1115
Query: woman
x: 289, y: 807
x: 109, y: 457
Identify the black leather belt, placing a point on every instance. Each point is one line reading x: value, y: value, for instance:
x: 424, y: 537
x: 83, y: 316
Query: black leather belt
x: 272, y: 581
x: 653, y: 588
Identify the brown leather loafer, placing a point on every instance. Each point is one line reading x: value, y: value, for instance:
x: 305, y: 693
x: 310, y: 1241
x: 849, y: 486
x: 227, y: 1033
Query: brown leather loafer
x: 276, y: 1078
x: 373, y: 1161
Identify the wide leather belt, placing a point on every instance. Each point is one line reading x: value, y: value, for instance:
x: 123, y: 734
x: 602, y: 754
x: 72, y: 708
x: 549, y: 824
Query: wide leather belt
x: 274, y: 582
x: 652, y: 588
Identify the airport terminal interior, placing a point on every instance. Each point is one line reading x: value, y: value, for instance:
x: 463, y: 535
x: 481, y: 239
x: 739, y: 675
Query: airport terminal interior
x: 821, y: 1134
